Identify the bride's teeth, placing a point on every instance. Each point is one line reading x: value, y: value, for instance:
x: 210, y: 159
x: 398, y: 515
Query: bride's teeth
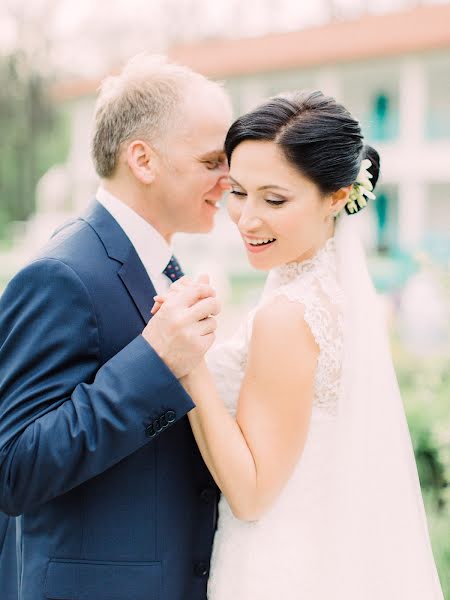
x: 259, y: 242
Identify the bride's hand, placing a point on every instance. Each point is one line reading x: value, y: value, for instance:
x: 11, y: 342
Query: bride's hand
x: 159, y: 299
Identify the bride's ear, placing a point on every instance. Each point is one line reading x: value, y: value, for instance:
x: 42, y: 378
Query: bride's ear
x: 337, y: 200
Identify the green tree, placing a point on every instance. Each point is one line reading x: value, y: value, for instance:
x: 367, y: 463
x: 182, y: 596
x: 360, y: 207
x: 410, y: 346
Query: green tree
x: 29, y: 120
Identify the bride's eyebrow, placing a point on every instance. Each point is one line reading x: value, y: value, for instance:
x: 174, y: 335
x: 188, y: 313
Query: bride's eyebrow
x: 263, y: 187
x: 274, y: 187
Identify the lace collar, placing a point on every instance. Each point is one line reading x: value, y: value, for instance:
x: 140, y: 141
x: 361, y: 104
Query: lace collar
x: 325, y: 257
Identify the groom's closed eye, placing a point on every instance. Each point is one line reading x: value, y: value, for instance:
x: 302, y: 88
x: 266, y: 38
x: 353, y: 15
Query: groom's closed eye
x: 214, y: 160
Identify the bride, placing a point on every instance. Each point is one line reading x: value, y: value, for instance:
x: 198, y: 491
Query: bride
x: 298, y: 416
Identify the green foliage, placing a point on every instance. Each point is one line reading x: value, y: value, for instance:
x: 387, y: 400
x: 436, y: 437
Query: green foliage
x: 246, y: 286
x: 439, y: 527
x: 425, y: 387
x: 33, y: 135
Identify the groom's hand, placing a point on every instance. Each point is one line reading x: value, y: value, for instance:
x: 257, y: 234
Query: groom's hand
x: 183, y: 281
x: 183, y: 329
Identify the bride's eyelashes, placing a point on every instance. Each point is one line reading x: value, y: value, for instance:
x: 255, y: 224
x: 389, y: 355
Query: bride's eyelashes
x: 270, y: 201
x: 275, y: 202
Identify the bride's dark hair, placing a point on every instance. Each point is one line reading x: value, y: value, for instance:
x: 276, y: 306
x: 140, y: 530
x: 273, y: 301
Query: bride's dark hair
x: 316, y: 134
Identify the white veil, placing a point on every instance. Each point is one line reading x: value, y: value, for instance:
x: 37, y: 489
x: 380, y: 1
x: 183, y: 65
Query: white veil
x: 381, y: 528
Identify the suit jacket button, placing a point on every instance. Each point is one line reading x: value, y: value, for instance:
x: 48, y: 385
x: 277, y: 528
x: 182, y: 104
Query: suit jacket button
x: 149, y: 431
x: 157, y: 425
x: 201, y: 569
x: 162, y: 419
x: 170, y: 416
x: 208, y: 496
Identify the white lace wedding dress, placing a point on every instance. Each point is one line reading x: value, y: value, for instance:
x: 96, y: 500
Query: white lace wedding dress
x: 294, y: 552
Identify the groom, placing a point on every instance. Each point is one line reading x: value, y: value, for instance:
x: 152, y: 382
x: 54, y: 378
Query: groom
x: 96, y: 453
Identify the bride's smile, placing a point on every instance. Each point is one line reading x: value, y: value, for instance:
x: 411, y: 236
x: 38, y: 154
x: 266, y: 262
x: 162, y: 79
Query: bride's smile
x: 282, y: 218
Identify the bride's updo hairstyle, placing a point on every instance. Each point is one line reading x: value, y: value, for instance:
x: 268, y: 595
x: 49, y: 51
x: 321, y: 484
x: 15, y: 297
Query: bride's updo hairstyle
x: 317, y: 135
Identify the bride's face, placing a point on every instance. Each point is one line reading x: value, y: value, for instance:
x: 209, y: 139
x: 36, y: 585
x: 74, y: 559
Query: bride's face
x: 281, y: 215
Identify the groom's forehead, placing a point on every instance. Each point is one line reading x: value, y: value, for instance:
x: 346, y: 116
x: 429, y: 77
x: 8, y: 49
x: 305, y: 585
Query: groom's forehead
x: 206, y: 119
x: 207, y: 144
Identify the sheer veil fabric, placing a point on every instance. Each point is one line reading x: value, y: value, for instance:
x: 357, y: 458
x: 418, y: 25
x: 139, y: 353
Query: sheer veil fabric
x: 350, y: 523
x: 379, y: 518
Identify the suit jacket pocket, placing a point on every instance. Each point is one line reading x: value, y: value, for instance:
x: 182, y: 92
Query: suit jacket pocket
x: 97, y: 580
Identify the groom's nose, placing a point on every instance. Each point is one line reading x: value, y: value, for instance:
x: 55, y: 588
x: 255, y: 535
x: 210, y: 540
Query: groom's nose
x: 224, y: 183
x: 221, y: 186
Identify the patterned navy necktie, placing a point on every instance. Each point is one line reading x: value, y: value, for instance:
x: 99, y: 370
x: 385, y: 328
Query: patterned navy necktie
x: 173, y: 269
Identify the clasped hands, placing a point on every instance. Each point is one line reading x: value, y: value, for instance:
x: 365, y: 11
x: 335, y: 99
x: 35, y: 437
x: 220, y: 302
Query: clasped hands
x: 182, y: 328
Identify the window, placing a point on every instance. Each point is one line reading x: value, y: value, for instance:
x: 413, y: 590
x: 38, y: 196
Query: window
x: 371, y: 93
x: 438, y: 98
x: 386, y: 216
x: 437, y: 221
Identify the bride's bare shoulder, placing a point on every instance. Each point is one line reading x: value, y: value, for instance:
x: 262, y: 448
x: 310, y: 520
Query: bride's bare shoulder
x: 281, y: 319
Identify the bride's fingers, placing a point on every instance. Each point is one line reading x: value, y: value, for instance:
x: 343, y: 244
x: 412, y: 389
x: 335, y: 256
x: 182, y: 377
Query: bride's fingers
x: 207, y: 326
x: 159, y: 301
x: 201, y: 283
x: 155, y: 308
x: 181, y: 282
x: 203, y: 278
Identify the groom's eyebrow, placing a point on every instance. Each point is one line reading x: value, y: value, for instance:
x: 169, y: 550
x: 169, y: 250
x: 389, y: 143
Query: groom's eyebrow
x: 215, y: 153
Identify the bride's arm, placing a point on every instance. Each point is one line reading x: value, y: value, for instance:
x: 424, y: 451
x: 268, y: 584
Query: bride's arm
x: 252, y: 457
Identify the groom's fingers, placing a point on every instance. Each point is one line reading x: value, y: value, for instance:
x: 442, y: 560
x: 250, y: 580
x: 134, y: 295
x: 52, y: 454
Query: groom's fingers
x: 204, y: 309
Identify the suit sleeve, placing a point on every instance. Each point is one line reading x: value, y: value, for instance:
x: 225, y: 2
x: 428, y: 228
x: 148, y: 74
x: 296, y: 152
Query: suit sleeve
x: 65, y: 417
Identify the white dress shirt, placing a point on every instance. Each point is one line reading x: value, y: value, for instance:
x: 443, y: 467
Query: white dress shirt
x: 151, y: 247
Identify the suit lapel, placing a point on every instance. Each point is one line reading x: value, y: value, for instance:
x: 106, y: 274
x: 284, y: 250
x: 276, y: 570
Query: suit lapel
x: 119, y: 248
x: 135, y: 279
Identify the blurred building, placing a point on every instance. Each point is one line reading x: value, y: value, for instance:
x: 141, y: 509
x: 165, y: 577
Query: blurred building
x: 392, y: 71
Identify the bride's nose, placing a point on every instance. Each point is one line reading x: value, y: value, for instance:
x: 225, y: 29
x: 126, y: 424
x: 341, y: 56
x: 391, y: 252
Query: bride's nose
x: 249, y: 218
x: 249, y: 221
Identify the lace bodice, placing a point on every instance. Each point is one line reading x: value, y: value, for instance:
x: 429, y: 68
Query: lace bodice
x: 246, y: 553
x: 322, y: 537
x: 313, y: 283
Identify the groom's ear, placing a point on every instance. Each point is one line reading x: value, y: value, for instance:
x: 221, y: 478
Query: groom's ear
x: 338, y: 199
x: 142, y: 160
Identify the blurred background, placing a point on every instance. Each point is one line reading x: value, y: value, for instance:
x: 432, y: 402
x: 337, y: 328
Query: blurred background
x: 388, y: 61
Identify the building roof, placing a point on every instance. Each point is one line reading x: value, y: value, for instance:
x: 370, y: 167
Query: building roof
x: 419, y: 29
x: 372, y: 36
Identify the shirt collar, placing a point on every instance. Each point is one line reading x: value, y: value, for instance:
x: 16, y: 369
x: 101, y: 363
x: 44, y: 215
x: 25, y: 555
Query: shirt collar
x: 151, y: 247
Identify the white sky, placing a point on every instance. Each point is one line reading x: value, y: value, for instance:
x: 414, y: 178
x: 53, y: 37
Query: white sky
x: 88, y: 36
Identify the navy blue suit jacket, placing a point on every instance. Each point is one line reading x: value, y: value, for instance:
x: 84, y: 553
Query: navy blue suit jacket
x: 8, y: 568
x: 96, y: 452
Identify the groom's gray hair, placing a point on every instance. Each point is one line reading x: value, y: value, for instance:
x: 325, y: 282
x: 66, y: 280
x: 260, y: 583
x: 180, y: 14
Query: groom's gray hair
x: 143, y: 102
